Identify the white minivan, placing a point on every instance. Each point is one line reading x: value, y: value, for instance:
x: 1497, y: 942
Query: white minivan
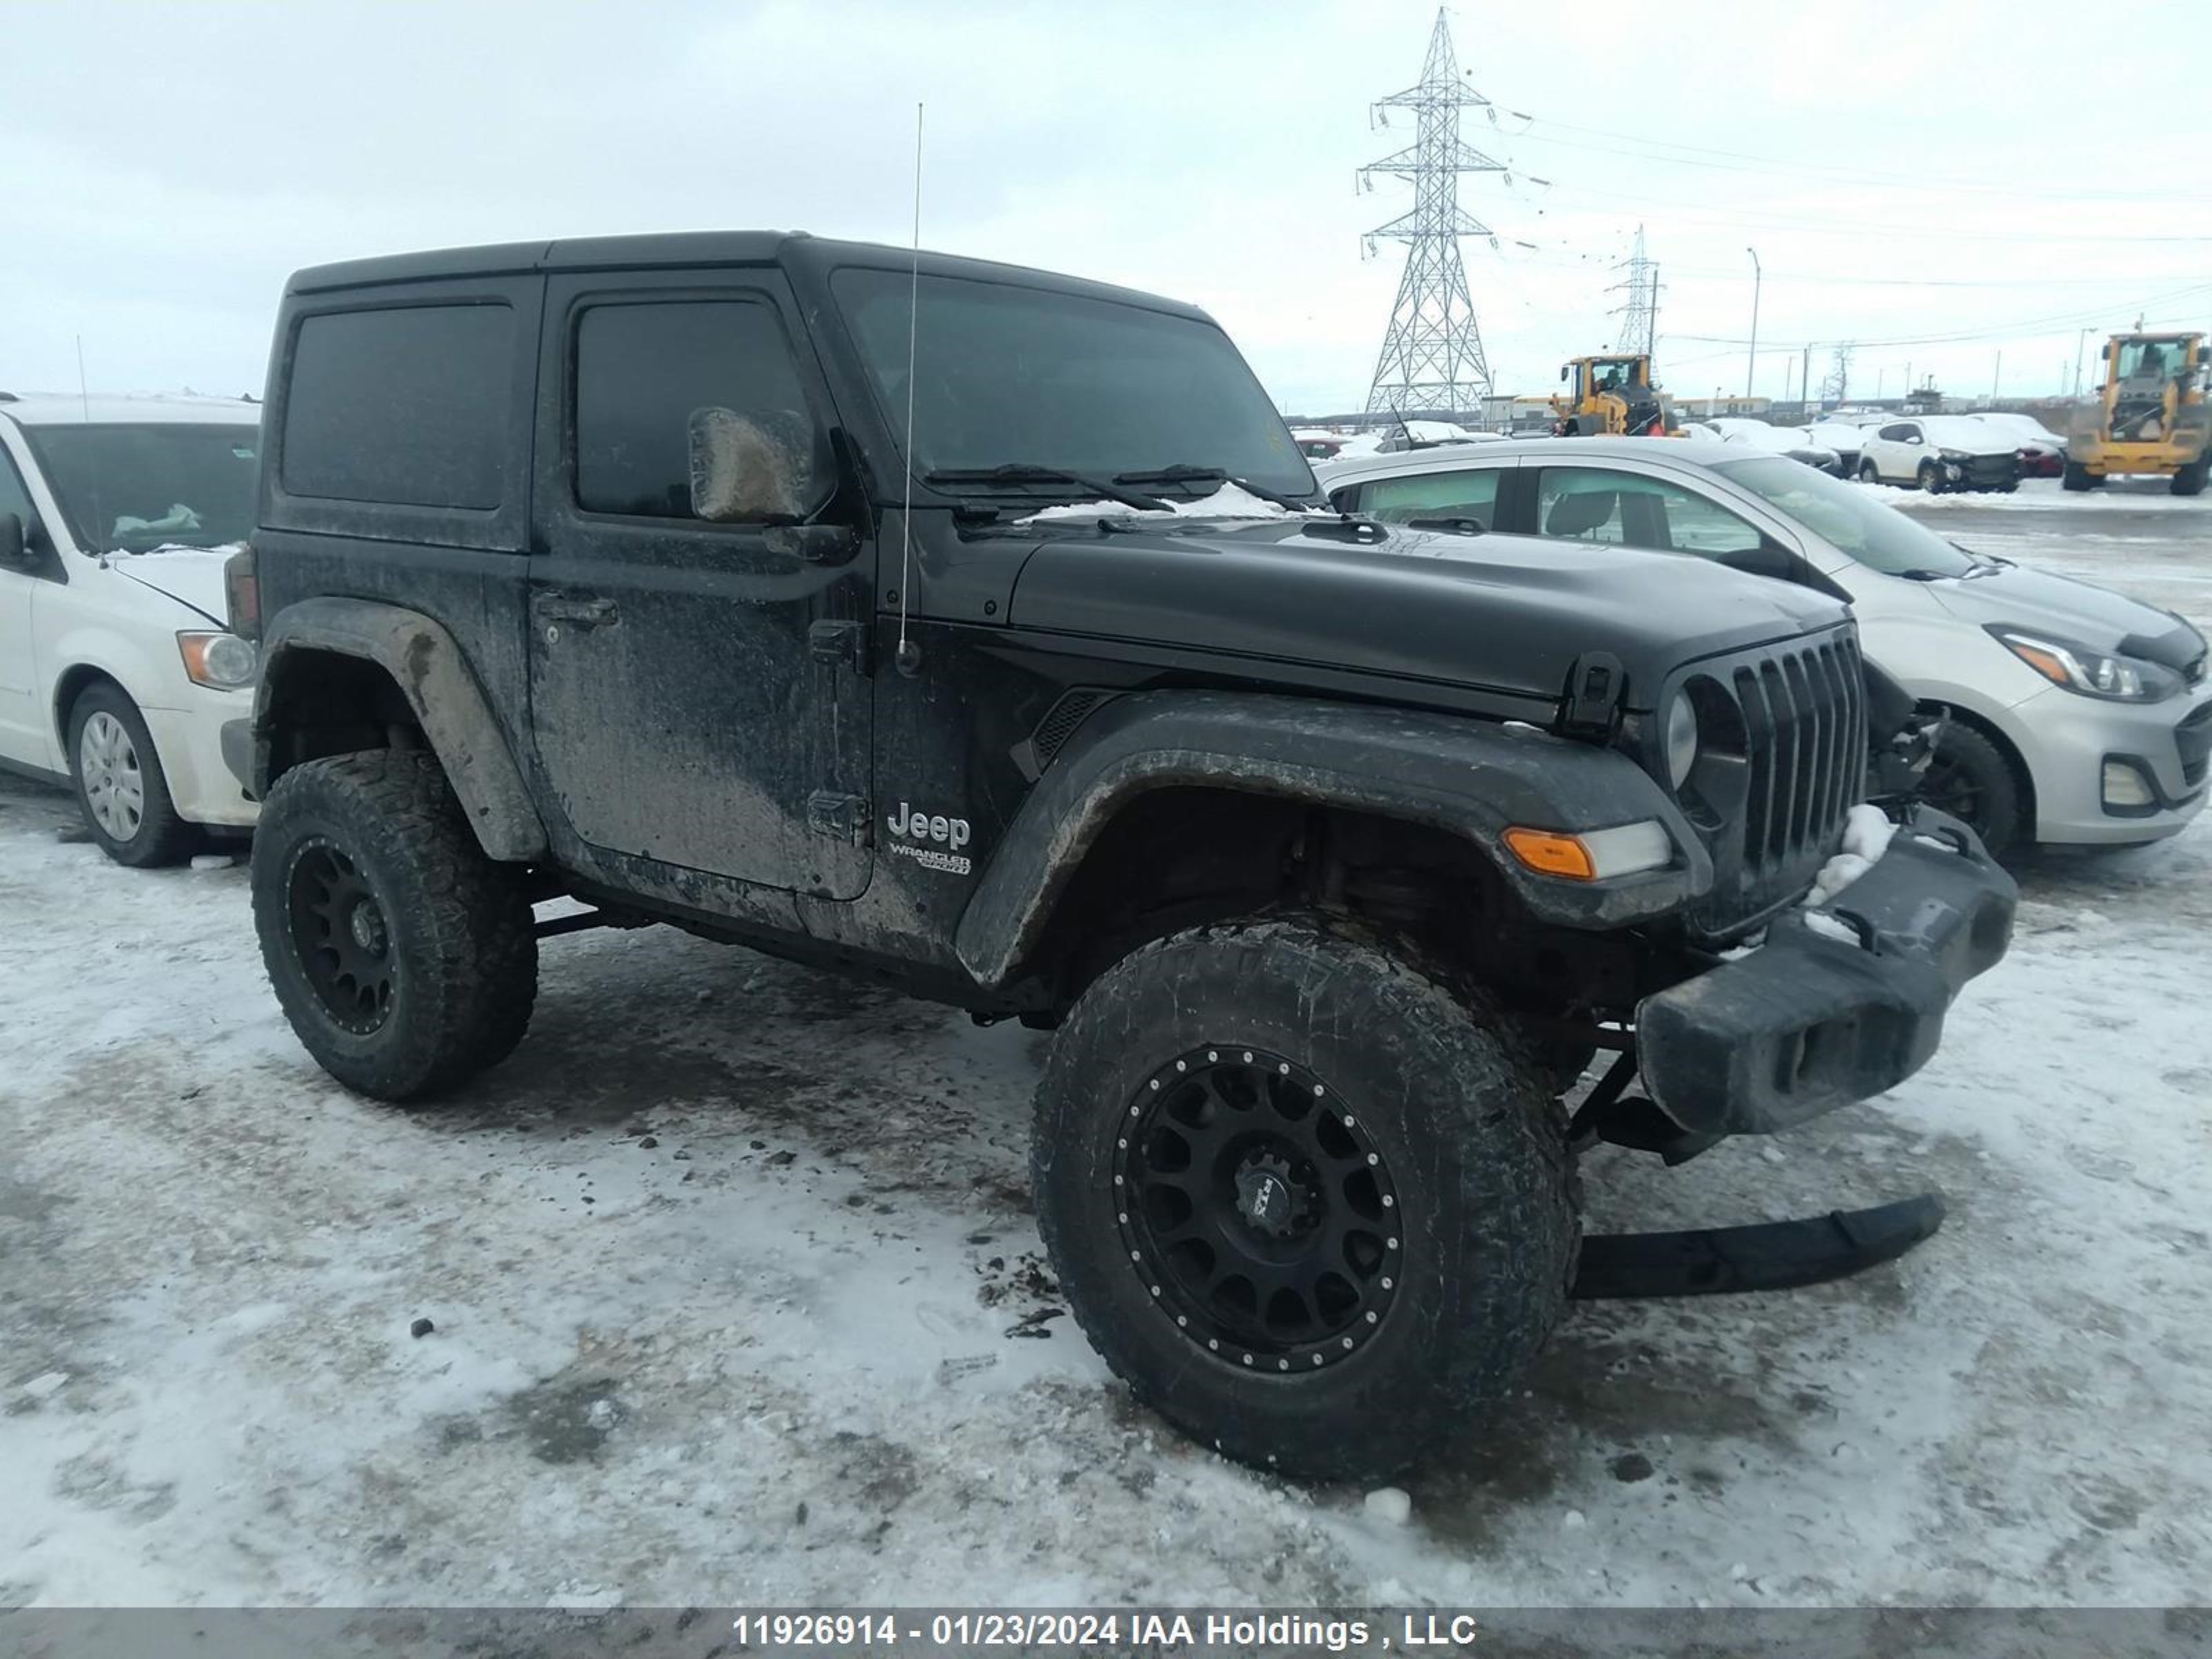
x: 116, y: 668
x: 2077, y: 715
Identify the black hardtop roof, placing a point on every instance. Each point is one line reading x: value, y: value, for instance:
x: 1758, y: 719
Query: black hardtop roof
x: 675, y: 250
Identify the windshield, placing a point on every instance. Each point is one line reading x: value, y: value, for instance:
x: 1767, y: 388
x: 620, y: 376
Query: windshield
x: 132, y: 487
x: 1613, y: 373
x: 1880, y: 537
x: 2150, y: 358
x: 1011, y: 374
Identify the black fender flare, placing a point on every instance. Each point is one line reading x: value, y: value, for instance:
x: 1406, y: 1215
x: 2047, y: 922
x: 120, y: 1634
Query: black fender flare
x: 1472, y: 777
x: 427, y: 665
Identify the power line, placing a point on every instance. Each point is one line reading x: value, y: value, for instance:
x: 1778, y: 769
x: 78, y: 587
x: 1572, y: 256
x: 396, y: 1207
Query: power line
x: 2012, y: 331
x: 1647, y: 149
x: 1827, y: 225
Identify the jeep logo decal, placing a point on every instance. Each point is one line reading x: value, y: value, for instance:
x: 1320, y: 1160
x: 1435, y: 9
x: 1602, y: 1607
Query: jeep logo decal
x: 923, y: 834
x: 920, y: 826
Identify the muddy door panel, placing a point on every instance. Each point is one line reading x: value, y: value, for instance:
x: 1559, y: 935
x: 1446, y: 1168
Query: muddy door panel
x: 683, y: 707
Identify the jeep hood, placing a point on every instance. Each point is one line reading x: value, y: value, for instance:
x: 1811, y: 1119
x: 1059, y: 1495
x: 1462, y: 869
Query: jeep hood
x: 190, y: 575
x: 2038, y: 601
x: 1497, y: 612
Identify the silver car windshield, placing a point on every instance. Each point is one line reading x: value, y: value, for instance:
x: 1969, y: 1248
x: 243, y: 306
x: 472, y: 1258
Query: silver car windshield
x: 1847, y: 515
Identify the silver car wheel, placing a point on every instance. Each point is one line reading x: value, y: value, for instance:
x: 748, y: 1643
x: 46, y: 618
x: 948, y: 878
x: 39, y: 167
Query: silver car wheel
x: 114, y: 786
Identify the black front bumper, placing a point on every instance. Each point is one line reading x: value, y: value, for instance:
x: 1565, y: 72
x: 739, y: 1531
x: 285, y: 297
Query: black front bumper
x: 238, y: 752
x: 1808, y: 1023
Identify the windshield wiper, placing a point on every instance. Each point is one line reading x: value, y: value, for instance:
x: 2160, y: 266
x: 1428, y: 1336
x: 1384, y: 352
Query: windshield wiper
x: 1014, y: 472
x: 1183, y: 472
x: 1923, y: 575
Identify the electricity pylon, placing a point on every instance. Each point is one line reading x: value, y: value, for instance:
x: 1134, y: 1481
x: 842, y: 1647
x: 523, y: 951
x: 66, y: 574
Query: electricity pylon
x: 1431, y: 354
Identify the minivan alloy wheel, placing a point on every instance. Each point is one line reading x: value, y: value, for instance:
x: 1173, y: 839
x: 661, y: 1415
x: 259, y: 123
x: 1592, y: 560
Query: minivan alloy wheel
x: 114, y: 783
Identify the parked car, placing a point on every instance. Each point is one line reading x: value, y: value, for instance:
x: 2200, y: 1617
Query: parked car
x: 1844, y: 436
x: 1315, y: 444
x: 2077, y: 715
x: 1939, y: 452
x: 116, y: 668
x: 1772, y: 441
x: 2042, y: 452
x: 1429, y: 435
x: 1325, y: 847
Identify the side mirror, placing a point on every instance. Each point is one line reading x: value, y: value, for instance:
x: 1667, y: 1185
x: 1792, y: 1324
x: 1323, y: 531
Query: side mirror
x: 746, y: 470
x: 1769, y: 559
x: 13, y: 551
x: 1563, y: 371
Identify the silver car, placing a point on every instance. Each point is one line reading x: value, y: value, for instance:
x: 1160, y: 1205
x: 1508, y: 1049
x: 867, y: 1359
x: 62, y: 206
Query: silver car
x: 2078, y: 716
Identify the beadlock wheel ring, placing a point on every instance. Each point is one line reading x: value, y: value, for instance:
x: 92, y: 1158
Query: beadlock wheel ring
x: 1256, y: 1211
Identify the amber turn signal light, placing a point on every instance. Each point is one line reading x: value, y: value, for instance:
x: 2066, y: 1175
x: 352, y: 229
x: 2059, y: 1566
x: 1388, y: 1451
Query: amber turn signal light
x: 1550, y: 854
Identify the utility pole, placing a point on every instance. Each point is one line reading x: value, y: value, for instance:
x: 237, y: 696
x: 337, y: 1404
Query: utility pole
x: 1751, y: 364
x: 2081, y: 343
x: 1431, y: 353
x: 1805, y: 375
x: 1996, y: 375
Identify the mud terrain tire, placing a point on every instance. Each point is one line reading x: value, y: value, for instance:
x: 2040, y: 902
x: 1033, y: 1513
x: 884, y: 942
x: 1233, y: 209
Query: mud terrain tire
x: 405, y: 959
x: 1482, y: 1231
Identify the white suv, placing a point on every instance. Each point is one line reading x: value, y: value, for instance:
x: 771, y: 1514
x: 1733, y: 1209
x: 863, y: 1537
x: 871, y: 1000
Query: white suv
x: 117, y: 670
x: 1939, y: 452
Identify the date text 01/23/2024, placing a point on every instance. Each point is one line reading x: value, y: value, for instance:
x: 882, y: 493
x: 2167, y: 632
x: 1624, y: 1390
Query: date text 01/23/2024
x: 1155, y: 1630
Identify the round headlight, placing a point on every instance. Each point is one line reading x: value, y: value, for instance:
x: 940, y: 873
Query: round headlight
x: 229, y: 661
x: 1681, y: 740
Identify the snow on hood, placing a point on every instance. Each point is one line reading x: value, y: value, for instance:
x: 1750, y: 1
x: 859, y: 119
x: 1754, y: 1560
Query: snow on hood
x: 2073, y: 610
x: 1227, y: 503
x: 190, y: 575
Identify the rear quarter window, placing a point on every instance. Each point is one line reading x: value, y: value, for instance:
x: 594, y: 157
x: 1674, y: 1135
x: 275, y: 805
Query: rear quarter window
x: 408, y: 404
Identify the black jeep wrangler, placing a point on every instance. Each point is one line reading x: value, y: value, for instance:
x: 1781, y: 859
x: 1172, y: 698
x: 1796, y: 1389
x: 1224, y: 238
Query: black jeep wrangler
x: 973, y: 629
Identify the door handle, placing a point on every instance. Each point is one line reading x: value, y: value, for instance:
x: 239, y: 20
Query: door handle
x: 584, y: 612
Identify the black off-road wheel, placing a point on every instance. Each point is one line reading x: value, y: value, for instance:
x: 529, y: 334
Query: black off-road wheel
x: 2190, y: 479
x: 120, y: 786
x: 404, y: 959
x: 1972, y: 779
x: 1315, y: 1206
x: 2074, y: 476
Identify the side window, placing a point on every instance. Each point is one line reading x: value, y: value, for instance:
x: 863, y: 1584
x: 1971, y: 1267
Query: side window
x: 1580, y: 503
x: 13, y: 497
x: 1469, y: 495
x: 1590, y: 504
x: 643, y: 369
x: 1896, y: 432
x: 406, y: 405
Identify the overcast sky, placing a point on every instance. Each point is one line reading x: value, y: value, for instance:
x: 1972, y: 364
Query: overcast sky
x: 1904, y: 171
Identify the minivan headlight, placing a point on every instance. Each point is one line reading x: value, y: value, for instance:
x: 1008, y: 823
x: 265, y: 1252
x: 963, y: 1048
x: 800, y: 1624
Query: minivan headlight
x: 222, y: 660
x: 1681, y: 739
x: 2091, y: 673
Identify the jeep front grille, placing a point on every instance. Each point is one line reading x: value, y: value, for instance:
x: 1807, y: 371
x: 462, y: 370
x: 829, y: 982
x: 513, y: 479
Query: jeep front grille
x: 1804, y: 738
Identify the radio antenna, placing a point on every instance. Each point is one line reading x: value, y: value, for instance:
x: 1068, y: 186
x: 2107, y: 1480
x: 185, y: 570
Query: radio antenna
x: 909, y: 654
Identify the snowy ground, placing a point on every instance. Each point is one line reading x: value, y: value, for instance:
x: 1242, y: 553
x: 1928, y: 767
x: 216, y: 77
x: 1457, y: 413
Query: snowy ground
x: 737, y: 1298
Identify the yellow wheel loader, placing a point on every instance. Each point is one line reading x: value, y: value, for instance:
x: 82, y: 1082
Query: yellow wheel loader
x: 1609, y: 397
x: 2152, y: 417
